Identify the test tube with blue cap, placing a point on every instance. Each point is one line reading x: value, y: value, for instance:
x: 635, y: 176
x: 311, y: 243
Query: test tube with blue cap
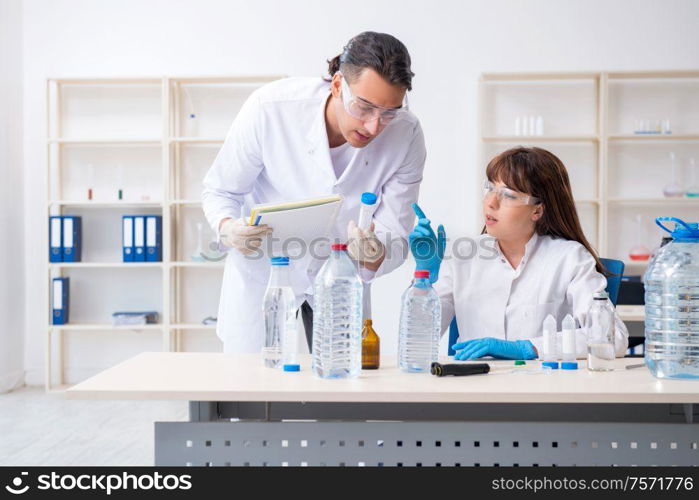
x: 366, y: 210
x: 568, y: 359
x: 549, y: 359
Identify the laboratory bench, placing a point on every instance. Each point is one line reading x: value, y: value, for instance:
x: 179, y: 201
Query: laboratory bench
x: 241, y: 413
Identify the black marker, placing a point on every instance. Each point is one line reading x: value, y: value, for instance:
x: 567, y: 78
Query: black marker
x: 459, y: 369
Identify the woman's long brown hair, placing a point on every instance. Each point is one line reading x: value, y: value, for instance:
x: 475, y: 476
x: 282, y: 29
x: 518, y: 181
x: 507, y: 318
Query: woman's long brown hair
x: 540, y: 173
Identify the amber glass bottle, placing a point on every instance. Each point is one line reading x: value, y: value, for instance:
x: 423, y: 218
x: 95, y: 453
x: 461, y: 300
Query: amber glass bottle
x: 370, y: 347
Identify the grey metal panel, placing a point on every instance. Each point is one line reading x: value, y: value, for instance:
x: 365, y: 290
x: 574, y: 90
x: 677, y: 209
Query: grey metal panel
x: 541, y: 412
x: 424, y: 443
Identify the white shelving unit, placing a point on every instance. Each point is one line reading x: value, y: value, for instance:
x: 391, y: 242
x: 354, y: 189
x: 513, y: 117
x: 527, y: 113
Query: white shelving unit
x: 589, y: 121
x: 154, y: 138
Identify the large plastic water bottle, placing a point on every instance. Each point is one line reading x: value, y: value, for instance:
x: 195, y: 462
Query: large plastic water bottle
x: 420, y: 322
x: 337, y: 318
x: 279, y: 308
x: 672, y: 304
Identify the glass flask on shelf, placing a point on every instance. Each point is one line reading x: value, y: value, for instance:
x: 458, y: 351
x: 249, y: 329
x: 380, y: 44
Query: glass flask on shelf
x: 673, y: 189
x: 639, y: 252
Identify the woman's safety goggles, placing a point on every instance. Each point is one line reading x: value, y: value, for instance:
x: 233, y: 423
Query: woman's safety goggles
x: 507, y: 196
x: 365, y: 111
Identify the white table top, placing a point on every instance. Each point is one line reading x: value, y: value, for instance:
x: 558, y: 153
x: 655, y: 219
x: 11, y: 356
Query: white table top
x: 242, y: 377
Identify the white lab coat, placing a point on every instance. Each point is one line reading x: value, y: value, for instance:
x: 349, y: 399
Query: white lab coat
x: 277, y: 150
x: 491, y: 299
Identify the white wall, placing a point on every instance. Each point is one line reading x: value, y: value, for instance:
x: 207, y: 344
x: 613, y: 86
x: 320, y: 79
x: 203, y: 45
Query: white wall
x: 11, y: 217
x: 451, y: 43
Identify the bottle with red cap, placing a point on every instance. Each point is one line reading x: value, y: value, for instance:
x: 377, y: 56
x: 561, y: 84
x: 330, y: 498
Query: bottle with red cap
x: 337, y: 317
x: 420, y: 323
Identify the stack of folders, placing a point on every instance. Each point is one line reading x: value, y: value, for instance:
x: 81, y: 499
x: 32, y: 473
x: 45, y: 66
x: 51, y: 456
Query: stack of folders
x: 123, y: 318
x: 65, y: 238
x: 60, y: 301
x: 142, y: 239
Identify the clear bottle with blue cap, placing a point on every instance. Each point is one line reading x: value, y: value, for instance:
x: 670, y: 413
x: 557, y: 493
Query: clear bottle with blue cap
x: 672, y: 304
x: 366, y: 210
x: 279, y: 309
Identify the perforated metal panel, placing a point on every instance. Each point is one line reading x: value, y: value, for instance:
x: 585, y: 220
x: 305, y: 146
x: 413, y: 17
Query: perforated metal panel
x: 424, y: 444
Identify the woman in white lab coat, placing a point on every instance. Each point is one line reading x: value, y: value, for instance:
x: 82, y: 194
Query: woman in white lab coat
x: 301, y: 138
x: 531, y: 260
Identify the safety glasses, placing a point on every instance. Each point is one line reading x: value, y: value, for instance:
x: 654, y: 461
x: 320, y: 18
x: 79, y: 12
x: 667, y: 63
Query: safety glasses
x: 365, y: 111
x: 507, y: 197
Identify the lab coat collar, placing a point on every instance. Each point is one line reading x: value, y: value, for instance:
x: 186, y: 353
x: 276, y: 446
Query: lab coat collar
x: 529, y: 249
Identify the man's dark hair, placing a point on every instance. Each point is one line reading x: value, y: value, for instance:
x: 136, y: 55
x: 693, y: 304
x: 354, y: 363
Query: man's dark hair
x: 381, y: 52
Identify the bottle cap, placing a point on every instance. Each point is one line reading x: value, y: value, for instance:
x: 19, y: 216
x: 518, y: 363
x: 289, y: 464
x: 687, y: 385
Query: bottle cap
x: 292, y: 368
x: 550, y: 364
x: 422, y: 274
x: 369, y: 198
x: 600, y: 295
x: 279, y: 261
x: 339, y: 246
x: 569, y: 365
x: 520, y: 362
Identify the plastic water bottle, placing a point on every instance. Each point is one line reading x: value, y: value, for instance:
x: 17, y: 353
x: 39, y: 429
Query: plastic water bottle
x: 672, y: 304
x: 599, y: 326
x: 420, y: 322
x: 337, y: 318
x: 279, y: 307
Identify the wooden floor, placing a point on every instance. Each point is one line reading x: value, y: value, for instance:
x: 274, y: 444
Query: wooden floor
x: 46, y: 429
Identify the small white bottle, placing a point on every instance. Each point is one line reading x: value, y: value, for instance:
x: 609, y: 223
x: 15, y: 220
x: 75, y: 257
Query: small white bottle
x: 568, y: 357
x: 549, y: 358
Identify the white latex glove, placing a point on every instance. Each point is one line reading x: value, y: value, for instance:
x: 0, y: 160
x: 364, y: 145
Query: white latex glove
x: 363, y: 245
x: 235, y: 233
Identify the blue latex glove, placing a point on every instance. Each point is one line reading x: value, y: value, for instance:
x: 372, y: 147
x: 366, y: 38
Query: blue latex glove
x: 489, y: 346
x: 426, y: 247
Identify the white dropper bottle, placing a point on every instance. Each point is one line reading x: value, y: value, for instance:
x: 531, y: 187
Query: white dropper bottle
x: 568, y: 350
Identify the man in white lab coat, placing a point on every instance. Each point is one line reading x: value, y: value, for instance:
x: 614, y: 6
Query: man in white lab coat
x: 300, y: 138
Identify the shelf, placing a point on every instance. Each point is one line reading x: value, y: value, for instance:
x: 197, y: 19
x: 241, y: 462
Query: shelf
x: 110, y: 141
x: 635, y: 264
x: 186, y: 202
x: 105, y: 265
x: 541, y: 138
x: 631, y: 313
x: 105, y: 204
x: 587, y: 201
x: 107, y: 327
x: 213, y: 140
x: 195, y: 264
x: 655, y: 201
x: 193, y: 326
x: 654, y: 137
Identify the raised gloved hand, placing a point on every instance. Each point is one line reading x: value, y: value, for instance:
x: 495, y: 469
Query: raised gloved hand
x: 489, y: 346
x: 363, y: 245
x: 426, y: 247
x: 236, y: 233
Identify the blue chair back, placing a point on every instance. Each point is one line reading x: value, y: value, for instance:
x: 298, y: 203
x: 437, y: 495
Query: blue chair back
x: 614, y: 267
x: 616, y: 270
